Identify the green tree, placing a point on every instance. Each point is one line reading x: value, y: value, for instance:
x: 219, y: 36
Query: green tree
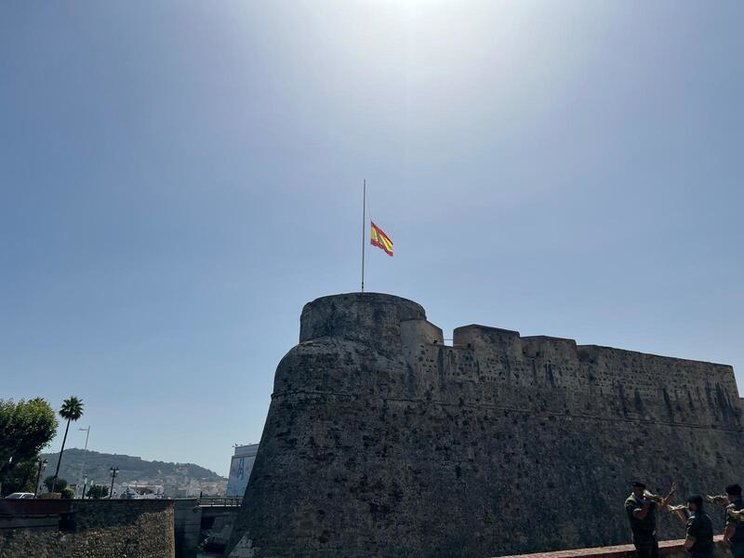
x: 25, y: 428
x: 72, y: 410
x: 97, y: 491
x: 60, y: 483
x: 21, y: 477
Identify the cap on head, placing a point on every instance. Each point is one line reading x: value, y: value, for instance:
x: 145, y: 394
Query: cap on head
x: 637, y: 484
x: 733, y: 489
x: 697, y: 500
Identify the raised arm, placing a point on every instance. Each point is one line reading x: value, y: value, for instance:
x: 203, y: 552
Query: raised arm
x: 680, y: 511
x: 672, y: 491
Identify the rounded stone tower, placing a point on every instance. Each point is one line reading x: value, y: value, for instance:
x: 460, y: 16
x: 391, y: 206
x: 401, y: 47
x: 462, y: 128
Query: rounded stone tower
x: 370, y: 318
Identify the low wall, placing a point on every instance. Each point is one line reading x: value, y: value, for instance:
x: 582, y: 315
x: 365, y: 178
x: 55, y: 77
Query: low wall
x: 667, y: 549
x: 86, y: 528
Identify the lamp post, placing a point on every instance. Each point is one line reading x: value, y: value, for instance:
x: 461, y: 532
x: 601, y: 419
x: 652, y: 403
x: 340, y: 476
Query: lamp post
x: 114, y: 471
x: 85, y: 455
x: 42, y: 465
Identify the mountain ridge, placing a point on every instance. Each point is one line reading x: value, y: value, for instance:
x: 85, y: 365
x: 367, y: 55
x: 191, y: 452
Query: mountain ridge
x: 178, y: 479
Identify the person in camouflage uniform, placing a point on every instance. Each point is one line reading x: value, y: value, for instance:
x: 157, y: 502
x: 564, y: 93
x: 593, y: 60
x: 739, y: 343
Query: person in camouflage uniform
x: 699, y: 539
x: 733, y: 534
x: 641, y: 512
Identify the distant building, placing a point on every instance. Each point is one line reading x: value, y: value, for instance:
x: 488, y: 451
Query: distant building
x: 141, y: 491
x: 240, y: 469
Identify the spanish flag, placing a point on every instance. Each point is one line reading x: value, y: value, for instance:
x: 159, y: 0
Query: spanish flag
x: 378, y: 238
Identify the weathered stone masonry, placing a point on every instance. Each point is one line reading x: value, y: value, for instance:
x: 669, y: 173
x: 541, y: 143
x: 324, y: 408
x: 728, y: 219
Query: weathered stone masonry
x: 86, y: 528
x: 381, y: 441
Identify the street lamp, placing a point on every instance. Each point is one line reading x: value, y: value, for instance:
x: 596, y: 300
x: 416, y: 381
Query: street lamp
x: 42, y: 466
x: 85, y: 456
x: 114, y: 471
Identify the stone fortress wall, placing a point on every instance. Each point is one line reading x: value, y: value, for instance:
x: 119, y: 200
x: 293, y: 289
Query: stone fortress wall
x: 382, y: 441
x: 86, y: 529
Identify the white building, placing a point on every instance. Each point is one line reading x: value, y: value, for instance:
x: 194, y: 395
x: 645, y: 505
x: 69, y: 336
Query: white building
x: 141, y: 491
x: 240, y: 469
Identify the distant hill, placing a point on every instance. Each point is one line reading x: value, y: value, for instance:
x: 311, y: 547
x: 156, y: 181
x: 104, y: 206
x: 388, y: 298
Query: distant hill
x: 178, y: 479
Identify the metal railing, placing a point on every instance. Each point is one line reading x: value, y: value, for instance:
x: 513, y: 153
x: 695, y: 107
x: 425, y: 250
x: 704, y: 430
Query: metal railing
x: 223, y: 501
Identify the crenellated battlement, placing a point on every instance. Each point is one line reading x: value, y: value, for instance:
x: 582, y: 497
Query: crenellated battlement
x: 550, y: 348
x: 485, y: 338
x: 603, y: 380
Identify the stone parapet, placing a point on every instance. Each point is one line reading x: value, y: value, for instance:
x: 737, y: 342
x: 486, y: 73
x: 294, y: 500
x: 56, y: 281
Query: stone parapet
x: 667, y: 549
x: 86, y: 528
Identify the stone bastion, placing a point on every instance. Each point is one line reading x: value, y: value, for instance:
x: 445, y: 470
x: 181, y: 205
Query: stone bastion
x: 383, y: 441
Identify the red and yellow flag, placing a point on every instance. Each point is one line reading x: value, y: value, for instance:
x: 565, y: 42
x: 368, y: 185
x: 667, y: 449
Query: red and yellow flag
x: 378, y: 238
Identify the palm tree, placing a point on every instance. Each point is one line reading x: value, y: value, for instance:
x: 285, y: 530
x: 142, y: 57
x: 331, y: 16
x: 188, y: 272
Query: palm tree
x: 72, y: 409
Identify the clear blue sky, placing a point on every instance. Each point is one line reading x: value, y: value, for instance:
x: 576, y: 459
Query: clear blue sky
x: 178, y: 178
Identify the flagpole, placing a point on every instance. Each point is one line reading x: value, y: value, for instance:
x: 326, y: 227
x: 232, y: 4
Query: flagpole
x: 364, y: 225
